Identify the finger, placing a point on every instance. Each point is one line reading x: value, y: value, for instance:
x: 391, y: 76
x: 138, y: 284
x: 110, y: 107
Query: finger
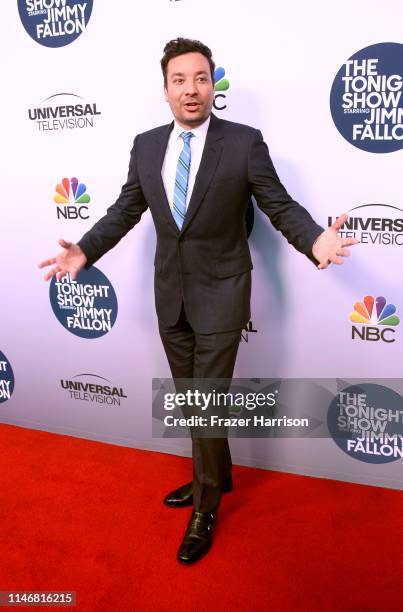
x: 51, y: 273
x: 349, y: 241
x: 334, y: 259
x: 323, y: 264
x: 339, y: 222
x: 60, y: 274
x: 343, y: 252
x: 63, y: 243
x: 47, y: 262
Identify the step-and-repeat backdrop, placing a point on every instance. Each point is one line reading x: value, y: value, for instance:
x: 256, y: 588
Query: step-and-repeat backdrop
x: 324, y: 85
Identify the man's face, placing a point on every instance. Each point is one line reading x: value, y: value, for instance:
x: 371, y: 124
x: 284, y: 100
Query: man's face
x: 189, y: 89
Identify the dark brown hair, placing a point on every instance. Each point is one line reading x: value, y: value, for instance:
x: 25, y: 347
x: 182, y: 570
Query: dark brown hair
x: 180, y: 46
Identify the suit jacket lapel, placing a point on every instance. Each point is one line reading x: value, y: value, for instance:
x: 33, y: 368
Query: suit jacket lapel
x: 158, y: 156
x: 208, y: 164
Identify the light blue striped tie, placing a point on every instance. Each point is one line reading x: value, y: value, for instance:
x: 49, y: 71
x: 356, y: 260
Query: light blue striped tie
x: 181, y: 180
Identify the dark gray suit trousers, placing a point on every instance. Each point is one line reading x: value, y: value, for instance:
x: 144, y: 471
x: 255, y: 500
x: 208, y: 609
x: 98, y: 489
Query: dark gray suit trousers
x: 192, y: 355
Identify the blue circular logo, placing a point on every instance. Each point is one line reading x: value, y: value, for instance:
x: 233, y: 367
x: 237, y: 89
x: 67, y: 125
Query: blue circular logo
x: 6, y: 379
x: 366, y: 98
x: 366, y: 422
x: 86, y: 307
x: 55, y: 23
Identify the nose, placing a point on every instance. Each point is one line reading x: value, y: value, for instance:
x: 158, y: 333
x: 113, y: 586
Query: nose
x: 191, y: 87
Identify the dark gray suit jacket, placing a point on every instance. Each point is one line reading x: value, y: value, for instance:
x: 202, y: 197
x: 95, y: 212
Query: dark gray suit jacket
x: 207, y: 265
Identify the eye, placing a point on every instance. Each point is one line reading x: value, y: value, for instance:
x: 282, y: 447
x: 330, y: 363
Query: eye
x: 178, y: 81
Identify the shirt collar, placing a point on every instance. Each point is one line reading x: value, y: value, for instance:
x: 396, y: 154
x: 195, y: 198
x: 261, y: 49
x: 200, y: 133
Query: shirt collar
x: 198, y: 132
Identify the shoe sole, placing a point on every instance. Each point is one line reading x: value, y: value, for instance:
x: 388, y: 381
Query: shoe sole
x: 189, y: 503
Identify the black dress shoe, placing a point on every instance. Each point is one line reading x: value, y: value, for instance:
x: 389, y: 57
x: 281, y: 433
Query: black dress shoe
x: 198, y: 537
x: 184, y: 495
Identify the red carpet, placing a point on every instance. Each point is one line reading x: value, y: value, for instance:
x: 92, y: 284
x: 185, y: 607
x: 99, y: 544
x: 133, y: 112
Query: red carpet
x: 87, y: 516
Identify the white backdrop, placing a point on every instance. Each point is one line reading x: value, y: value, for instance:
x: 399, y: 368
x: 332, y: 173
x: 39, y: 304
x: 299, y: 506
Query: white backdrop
x: 280, y: 60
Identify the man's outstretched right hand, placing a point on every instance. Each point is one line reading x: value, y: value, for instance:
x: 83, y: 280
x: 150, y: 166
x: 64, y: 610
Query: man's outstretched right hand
x: 70, y: 260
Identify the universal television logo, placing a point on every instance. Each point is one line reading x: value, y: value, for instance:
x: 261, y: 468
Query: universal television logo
x: 378, y: 225
x: 92, y: 388
x: 64, y: 111
x: 73, y: 196
x: 377, y: 319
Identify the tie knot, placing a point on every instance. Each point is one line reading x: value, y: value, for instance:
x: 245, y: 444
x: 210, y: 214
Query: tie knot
x: 186, y: 136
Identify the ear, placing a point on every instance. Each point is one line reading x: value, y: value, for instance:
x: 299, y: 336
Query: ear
x: 165, y: 94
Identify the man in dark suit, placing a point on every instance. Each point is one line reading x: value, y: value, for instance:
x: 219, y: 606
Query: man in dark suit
x: 196, y: 175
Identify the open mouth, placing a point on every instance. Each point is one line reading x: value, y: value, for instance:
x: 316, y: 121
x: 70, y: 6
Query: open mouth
x: 192, y: 106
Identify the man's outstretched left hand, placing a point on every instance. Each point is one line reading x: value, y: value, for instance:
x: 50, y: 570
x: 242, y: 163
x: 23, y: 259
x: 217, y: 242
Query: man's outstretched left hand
x: 329, y: 247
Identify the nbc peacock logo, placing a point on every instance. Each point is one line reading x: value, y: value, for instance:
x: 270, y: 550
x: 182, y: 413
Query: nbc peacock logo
x: 377, y: 319
x: 72, y: 196
x: 221, y: 84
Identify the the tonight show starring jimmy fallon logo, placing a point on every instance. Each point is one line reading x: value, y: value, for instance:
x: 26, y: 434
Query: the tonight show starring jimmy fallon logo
x: 366, y: 98
x: 54, y: 23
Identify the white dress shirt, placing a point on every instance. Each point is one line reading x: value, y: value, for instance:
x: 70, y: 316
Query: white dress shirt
x: 174, y: 149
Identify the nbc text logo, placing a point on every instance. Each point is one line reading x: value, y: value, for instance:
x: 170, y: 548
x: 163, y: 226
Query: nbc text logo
x: 220, y: 85
x: 377, y: 320
x: 72, y: 195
